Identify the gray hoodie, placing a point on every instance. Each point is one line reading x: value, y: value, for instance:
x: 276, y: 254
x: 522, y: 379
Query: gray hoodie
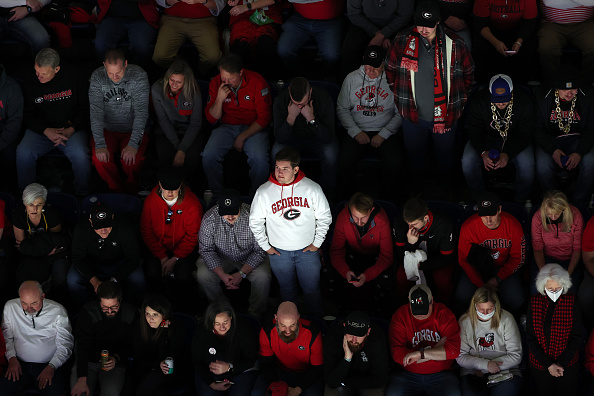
x: 367, y: 105
x: 119, y: 107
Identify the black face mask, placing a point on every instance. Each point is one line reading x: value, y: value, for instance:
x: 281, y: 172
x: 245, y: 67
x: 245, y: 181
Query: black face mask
x: 555, y: 222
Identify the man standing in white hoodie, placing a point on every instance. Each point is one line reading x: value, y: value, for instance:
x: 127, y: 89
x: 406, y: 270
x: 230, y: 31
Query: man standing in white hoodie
x: 290, y: 217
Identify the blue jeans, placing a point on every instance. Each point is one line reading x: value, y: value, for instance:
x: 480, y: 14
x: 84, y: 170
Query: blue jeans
x: 28, y: 380
x: 243, y: 384
x: 28, y: 30
x: 134, y: 284
x: 546, y: 168
x: 221, y: 142
x: 471, y: 385
x: 472, y: 166
x: 298, y: 30
x: 327, y: 153
x: 304, y: 266
x: 141, y: 37
x: 404, y: 383
x: 510, y: 292
x: 291, y: 378
x: 76, y: 150
x: 416, y: 137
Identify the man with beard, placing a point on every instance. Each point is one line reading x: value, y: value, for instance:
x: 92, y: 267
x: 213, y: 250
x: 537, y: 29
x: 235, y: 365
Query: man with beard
x: 291, y: 355
x: 355, y: 358
x: 103, y: 324
x: 38, y: 342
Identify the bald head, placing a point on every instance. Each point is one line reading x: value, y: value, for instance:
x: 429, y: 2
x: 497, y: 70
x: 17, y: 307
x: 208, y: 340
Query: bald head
x: 287, y: 308
x: 31, y: 296
x: 287, y: 321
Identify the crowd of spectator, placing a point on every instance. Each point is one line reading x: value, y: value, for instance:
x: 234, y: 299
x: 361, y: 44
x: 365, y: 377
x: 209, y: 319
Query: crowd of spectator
x: 200, y: 290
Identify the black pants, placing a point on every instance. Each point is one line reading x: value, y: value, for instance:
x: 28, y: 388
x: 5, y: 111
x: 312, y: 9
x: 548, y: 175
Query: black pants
x: 545, y: 384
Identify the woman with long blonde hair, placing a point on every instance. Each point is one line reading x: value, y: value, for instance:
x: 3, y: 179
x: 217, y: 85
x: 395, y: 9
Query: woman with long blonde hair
x: 557, y: 229
x: 490, y: 347
x: 178, y: 104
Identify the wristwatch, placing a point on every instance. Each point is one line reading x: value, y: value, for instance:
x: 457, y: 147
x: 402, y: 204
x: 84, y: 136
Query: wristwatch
x: 230, y: 367
x: 29, y: 10
x: 249, y: 6
x: 312, y: 122
x: 422, y: 353
x: 243, y: 275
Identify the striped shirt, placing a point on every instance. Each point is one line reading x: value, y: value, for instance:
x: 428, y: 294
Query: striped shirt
x: 218, y: 240
x: 576, y: 14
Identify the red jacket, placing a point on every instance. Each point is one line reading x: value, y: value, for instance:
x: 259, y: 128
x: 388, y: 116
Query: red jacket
x: 408, y: 334
x: 377, y: 239
x: 181, y: 235
x: 251, y: 104
x: 507, y: 244
x: 147, y: 8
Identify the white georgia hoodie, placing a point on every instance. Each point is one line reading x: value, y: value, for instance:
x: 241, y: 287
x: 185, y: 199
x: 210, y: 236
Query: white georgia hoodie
x: 290, y: 216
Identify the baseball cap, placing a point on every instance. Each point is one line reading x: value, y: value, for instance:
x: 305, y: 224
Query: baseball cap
x: 420, y: 298
x: 501, y: 88
x: 101, y: 216
x: 229, y: 202
x: 170, y: 177
x: 568, y: 78
x: 357, y: 324
x: 488, y: 204
x: 374, y: 56
x: 427, y: 13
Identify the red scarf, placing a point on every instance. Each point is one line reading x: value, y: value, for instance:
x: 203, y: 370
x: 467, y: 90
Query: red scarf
x: 410, y: 61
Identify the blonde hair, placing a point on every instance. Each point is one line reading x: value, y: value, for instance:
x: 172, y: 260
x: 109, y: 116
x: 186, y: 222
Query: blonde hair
x: 484, y: 294
x: 190, y: 87
x: 556, y: 202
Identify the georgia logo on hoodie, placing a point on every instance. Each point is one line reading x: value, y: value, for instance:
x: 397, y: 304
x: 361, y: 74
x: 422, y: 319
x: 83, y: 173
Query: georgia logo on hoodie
x: 291, y: 214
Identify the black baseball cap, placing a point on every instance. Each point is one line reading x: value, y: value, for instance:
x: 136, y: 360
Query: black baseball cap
x: 101, y: 216
x: 374, y: 56
x: 420, y: 298
x: 229, y: 202
x: 488, y: 204
x: 427, y: 13
x: 357, y: 324
x: 170, y: 177
x: 568, y: 78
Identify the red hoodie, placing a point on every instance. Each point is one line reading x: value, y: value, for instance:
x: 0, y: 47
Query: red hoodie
x: 180, y: 236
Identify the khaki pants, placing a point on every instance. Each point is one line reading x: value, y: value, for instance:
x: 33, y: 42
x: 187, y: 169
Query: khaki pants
x: 553, y: 37
x: 202, y: 32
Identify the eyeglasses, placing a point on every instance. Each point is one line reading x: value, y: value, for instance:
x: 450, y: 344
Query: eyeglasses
x: 101, y: 243
x: 169, y: 214
x: 113, y: 308
x: 381, y: 3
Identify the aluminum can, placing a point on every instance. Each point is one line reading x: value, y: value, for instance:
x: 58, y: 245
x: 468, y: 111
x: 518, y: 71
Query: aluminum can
x: 104, y: 356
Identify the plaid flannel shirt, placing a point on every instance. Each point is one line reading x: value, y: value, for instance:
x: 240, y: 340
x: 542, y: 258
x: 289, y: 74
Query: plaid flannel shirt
x: 218, y: 240
x: 460, y: 66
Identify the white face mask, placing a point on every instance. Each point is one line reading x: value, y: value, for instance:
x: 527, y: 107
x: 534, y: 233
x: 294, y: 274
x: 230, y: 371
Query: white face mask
x: 554, y: 295
x: 484, y: 317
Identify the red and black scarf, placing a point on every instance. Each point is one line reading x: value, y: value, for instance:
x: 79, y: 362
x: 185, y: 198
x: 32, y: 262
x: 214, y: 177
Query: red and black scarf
x: 561, y: 326
x: 410, y: 61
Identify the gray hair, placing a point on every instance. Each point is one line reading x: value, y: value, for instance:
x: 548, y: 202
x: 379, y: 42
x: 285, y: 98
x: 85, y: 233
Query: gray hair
x: 32, y: 192
x: 29, y: 284
x: 48, y: 57
x: 553, y: 272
